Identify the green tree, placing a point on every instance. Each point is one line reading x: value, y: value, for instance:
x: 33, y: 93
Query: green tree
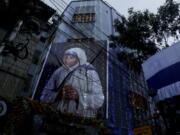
x: 142, y: 34
x: 168, y: 17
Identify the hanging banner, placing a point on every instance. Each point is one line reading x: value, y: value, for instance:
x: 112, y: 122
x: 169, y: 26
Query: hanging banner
x: 74, y: 79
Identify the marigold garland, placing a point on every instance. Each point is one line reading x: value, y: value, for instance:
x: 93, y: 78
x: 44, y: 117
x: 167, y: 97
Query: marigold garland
x: 25, y: 107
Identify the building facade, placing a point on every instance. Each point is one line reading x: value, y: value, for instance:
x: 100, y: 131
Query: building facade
x: 23, y: 46
x: 127, y: 101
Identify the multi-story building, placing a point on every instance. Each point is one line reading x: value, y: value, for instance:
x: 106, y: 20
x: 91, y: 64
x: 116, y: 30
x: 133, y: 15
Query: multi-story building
x: 127, y: 104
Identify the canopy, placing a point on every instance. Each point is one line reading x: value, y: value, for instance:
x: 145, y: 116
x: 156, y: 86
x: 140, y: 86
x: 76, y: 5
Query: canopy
x: 162, y: 72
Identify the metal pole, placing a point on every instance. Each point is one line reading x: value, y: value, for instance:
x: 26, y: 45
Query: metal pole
x: 39, y: 77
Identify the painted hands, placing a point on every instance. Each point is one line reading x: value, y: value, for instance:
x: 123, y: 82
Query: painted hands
x: 70, y: 93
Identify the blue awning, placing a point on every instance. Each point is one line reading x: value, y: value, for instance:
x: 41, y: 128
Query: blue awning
x: 162, y: 72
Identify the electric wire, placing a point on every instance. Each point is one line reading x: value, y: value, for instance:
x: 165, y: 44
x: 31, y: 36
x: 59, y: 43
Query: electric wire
x: 113, y: 57
x: 82, y: 33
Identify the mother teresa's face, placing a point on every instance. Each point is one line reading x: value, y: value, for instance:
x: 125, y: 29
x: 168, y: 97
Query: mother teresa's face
x: 69, y: 60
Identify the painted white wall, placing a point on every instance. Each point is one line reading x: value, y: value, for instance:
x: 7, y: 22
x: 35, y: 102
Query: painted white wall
x: 99, y: 30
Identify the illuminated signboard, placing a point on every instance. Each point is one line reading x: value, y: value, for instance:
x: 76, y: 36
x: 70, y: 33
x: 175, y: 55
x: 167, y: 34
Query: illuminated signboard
x: 144, y: 130
x: 138, y: 101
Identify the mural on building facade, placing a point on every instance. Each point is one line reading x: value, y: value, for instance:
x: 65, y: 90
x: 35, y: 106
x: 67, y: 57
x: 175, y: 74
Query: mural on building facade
x: 74, y: 78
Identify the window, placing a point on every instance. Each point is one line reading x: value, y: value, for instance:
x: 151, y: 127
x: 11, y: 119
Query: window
x: 89, y: 17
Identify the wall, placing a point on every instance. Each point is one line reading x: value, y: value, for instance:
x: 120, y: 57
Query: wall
x: 17, y: 76
x: 99, y: 30
x: 122, y: 82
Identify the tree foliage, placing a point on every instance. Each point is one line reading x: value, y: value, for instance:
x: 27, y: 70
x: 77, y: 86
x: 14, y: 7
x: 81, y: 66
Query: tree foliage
x: 168, y: 25
x: 142, y: 34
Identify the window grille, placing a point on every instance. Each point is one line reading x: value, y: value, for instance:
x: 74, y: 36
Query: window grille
x: 89, y: 17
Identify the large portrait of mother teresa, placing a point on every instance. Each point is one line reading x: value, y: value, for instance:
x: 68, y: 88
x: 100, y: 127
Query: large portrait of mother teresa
x: 74, y: 86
